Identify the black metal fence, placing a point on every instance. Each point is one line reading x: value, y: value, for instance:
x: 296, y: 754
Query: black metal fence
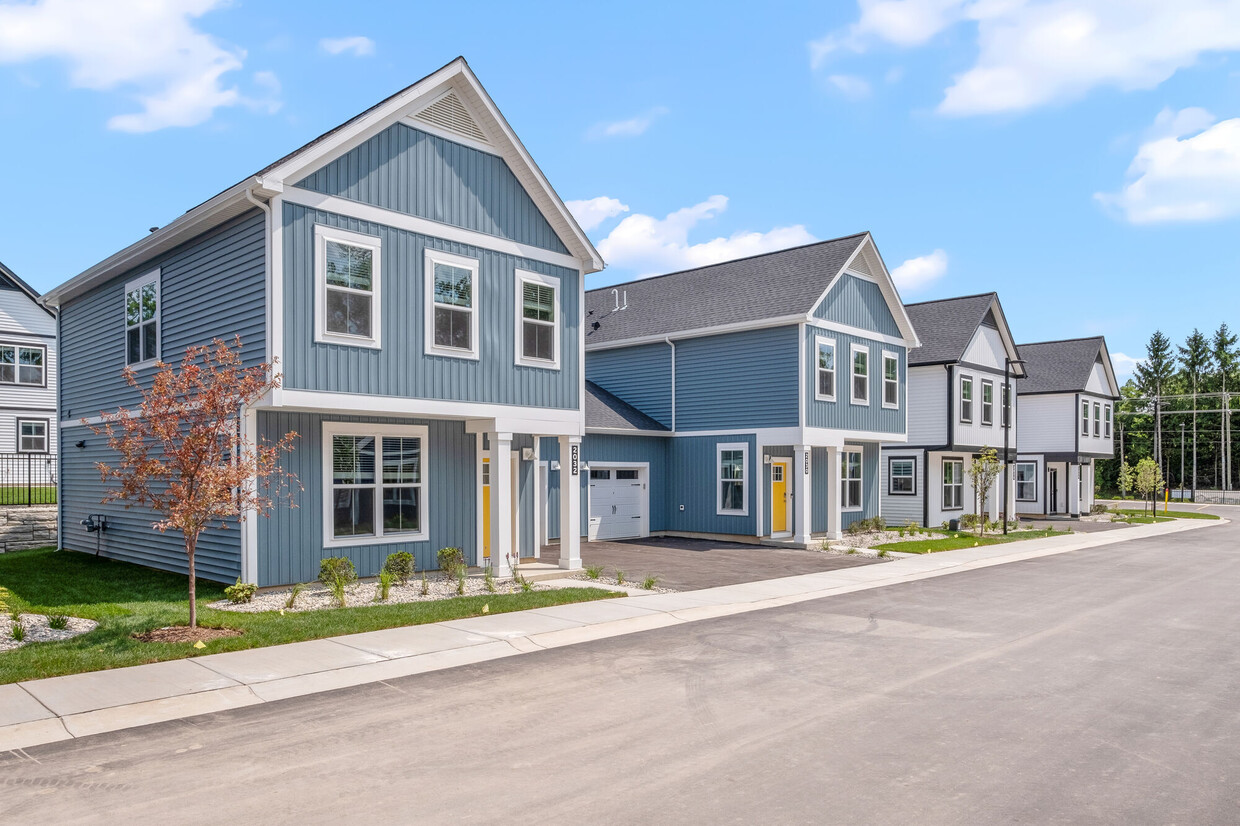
x: 27, y: 479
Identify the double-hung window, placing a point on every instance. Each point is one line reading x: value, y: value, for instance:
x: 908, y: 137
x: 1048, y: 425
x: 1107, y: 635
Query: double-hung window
x: 22, y: 365
x: 451, y: 305
x: 375, y: 483
x: 1097, y: 420
x: 850, y: 479
x: 347, y: 275
x: 1106, y: 421
x: 988, y: 402
x: 824, y: 390
x: 860, y: 374
x: 1084, y: 418
x: 538, y: 320
x: 891, y: 380
x: 953, y: 484
x: 1026, y: 482
x: 901, y: 477
x: 966, y: 399
x: 733, y: 471
x: 142, y: 319
x: 32, y: 436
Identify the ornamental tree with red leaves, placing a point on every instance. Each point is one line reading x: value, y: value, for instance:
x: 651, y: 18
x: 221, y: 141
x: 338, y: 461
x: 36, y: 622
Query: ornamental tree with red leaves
x: 183, y: 451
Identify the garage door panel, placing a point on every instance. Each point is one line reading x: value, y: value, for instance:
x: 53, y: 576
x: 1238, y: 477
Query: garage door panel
x: 618, y: 499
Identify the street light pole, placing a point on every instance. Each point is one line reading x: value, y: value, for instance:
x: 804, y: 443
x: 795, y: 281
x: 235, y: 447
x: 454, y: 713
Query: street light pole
x: 1008, y: 406
x: 1181, y: 460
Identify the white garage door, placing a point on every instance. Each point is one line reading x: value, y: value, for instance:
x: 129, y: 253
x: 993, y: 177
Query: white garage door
x: 617, y: 503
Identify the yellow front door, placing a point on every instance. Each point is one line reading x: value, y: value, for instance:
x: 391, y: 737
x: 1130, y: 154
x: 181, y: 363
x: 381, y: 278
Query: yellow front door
x: 486, y: 508
x: 779, y: 497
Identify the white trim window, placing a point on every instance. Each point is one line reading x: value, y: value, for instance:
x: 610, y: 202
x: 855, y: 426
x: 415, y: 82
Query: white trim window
x: 902, y: 476
x: 538, y: 321
x: 32, y: 436
x: 23, y: 364
x: 824, y: 373
x: 860, y: 390
x: 966, y: 399
x: 142, y: 313
x: 374, y: 484
x: 988, y: 402
x: 1084, y: 417
x: 1097, y: 420
x: 953, y: 484
x: 1026, y: 481
x: 1106, y: 422
x: 732, y: 477
x: 891, y: 380
x: 850, y: 479
x: 451, y: 305
x: 347, y: 270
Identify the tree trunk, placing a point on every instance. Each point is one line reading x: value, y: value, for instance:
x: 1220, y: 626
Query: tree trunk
x: 191, y: 545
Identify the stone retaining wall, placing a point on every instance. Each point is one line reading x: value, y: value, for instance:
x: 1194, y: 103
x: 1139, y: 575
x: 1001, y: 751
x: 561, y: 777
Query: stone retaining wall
x: 22, y: 528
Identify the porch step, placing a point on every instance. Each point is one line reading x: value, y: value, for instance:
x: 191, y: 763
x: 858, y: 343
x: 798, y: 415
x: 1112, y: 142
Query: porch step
x: 539, y: 571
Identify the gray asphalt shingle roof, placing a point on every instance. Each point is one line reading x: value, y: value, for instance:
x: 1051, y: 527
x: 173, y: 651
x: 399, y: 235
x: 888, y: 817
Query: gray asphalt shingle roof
x: 946, y: 327
x: 605, y: 410
x: 1059, y: 366
x: 773, y: 285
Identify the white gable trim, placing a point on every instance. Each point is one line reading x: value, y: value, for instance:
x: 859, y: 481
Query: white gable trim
x: 1110, y: 369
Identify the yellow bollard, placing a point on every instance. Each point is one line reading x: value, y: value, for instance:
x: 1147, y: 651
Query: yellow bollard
x: 1166, y: 499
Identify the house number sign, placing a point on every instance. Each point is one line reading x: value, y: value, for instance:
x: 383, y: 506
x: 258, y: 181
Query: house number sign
x: 807, y: 463
x: 576, y: 457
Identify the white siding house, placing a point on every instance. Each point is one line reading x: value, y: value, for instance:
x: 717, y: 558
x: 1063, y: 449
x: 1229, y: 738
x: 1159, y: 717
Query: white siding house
x: 27, y: 387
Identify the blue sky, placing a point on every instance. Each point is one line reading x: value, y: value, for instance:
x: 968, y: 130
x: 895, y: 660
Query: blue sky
x: 1081, y: 157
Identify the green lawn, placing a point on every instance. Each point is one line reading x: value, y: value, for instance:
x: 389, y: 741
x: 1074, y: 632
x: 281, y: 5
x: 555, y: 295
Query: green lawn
x: 963, y: 539
x: 1169, y: 514
x: 127, y: 600
x: 16, y: 495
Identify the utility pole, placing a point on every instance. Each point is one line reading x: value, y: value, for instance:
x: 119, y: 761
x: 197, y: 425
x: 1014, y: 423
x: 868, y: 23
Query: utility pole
x: 1194, y: 438
x: 1181, y: 460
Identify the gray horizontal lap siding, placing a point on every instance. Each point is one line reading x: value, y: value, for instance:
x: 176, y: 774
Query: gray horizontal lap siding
x: 607, y: 448
x: 641, y: 376
x: 819, y: 516
x: 737, y: 380
x: 407, y: 170
x: 401, y: 367
x: 842, y: 414
x: 290, y: 539
x: 211, y: 287
x: 858, y: 303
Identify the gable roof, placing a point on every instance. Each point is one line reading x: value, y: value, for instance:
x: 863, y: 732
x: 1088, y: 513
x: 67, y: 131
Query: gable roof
x: 9, y: 280
x: 607, y: 412
x: 783, y: 286
x: 456, y: 77
x: 1064, y: 366
x: 948, y: 325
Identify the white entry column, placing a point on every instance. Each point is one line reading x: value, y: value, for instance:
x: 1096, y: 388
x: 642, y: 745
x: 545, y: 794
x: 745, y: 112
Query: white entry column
x: 803, y: 496
x: 1074, y: 490
x: 570, y: 502
x: 502, y: 551
x: 835, y: 515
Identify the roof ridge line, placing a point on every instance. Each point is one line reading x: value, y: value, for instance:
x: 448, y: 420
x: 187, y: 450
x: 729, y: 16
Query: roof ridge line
x: 1062, y: 340
x: 953, y: 298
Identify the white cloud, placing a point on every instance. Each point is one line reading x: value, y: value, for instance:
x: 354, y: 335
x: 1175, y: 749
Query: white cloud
x: 918, y: 273
x: 851, y: 86
x: 628, y: 128
x: 651, y: 245
x: 1037, y: 52
x: 593, y: 212
x: 357, y: 45
x: 1187, y: 170
x: 1124, y: 366
x: 148, y: 48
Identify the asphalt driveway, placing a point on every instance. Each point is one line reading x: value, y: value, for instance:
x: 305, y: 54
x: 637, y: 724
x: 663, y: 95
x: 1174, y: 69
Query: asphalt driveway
x: 690, y: 564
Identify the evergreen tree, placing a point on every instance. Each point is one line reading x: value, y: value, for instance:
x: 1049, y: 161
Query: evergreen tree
x: 1196, y: 362
x: 1153, y: 375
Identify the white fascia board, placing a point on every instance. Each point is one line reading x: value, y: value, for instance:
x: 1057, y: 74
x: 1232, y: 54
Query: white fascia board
x: 828, y: 437
x: 364, y: 404
x: 700, y: 332
x: 621, y: 431
x: 859, y: 332
x: 1009, y: 342
x: 1110, y: 370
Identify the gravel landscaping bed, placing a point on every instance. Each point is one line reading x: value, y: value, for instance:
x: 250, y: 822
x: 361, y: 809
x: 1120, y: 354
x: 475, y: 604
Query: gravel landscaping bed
x: 317, y: 597
x: 37, y: 630
x: 628, y: 583
x: 865, y: 541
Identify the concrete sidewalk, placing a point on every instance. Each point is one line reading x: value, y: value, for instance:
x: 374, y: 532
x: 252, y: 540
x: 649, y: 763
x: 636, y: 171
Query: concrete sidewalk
x: 61, y: 708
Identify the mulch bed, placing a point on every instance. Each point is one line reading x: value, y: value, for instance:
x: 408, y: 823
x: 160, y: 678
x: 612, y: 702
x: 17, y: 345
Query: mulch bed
x: 183, y: 633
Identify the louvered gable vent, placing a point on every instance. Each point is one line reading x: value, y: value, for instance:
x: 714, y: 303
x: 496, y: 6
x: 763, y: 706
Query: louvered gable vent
x: 449, y: 113
x: 859, y: 265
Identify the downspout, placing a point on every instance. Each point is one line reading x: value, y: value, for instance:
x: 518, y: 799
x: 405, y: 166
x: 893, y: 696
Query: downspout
x: 249, y: 534
x: 672, y: 344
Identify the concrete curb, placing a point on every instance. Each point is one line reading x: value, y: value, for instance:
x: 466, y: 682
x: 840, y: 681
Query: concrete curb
x: 60, y: 708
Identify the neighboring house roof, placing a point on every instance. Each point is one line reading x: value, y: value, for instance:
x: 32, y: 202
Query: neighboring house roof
x: 607, y: 412
x: 947, y: 326
x: 416, y: 98
x: 786, y: 285
x: 1064, y: 366
x: 9, y: 280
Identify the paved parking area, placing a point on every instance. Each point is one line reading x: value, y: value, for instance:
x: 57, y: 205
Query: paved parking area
x: 692, y: 564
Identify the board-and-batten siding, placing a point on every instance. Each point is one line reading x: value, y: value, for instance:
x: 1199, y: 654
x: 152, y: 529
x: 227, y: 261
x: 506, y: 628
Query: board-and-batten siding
x: 409, y: 171
x: 737, y: 380
x: 641, y: 376
x: 211, y: 287
x: 290, y: 540
x: 693, y: 464
x: 842, y: 414
x: 604, y: 448
x: 902, y: 509
x: 820, y: 467
x: 858, y: 303
x: 402, y: 367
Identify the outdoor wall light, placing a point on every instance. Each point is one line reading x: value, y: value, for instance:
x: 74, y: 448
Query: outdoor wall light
x: 81, y: 443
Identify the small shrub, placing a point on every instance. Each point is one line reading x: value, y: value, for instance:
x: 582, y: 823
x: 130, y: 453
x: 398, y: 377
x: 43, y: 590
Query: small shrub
x: 19, y: 632
x: 884, y: 553
x: 649, y: 582
x: 241, y: 592
x: 449, y: 560
x: 526, y: 585
x: 855, y: 528
x: 619, y: 577
x: 488, y: 577
x: 295, y: 592
x: 460, y: 579
x: 1097, y: 509
x: 384, y: 586
x: 901, y: 533
x: 5, y: 598
x: 57, y: 622
x: 594, y: 571
x: 426, y: 588
x: 400, y: 566
x: 337, y: 588
x: 337, y: 570
x: 850, y: 551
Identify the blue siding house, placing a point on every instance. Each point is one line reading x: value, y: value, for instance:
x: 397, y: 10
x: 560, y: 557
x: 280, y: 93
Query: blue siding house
x: 746, y: 400
x: 420, y: 286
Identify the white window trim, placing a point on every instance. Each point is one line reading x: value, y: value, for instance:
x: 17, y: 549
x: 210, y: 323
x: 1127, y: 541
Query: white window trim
x: 332, y: 429
x: 890, y: 356
x: 853, y: 349
x: 323, y: 234
x: 47, y: 434
x: 960, y: 484
x: 1106, y: 422
x: 991, y: 384
x: 523, y: 277
x: 154, y: 276
x: 972, y: 399
x: 844, y: 453
x: 719, y: 449
x: 17, y: 363
x: 1097, y: 420
x: 431, y: 258
x: 1033, y: 481
x: 835, y: 379
x: 891, y: 460
x: 1085, y: 417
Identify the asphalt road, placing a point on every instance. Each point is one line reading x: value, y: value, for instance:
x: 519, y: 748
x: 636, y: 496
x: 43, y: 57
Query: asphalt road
x: 1099, y: 686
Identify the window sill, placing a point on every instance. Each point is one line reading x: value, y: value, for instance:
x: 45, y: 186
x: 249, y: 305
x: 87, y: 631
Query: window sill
x: 538, y: 364
x: 890, y: 406
x: 860, y: 402
x: 901, y: 493
x: 386, y: 539
x: 818, y: 398
x: 348, y: 341
x: 731, y: 513
x: 851, y: 510
x: 450, y: 352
